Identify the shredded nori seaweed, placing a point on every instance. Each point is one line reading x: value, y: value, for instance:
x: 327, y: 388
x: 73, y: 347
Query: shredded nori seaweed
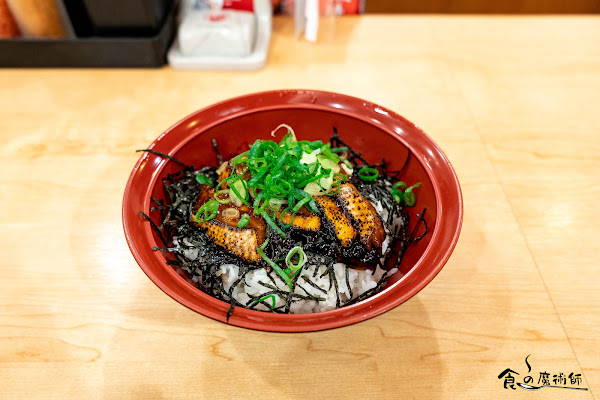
x: 311, y: 283
x: 179, y: 236
x: 158, y: 153
x: 348, y: 281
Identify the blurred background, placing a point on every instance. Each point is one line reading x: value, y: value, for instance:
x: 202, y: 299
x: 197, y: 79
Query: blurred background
x: 187, y: 33
x: 483, y: 7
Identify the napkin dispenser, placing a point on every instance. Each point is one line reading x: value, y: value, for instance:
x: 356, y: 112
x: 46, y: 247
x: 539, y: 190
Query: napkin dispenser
x: 210, y: 37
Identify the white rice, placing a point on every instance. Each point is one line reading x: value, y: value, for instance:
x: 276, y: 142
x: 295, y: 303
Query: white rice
x: 361, y: 281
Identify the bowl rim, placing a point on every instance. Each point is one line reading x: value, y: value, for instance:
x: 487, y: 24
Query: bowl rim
x: 420, y: 145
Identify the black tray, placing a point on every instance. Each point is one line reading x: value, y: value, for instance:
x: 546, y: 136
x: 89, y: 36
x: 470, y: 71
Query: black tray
x: 95, y: 51
x: 126, y: 17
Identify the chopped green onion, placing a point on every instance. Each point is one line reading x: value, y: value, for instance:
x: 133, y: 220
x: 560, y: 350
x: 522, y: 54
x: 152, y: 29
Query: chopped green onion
x: 275, y: 267
x: 313, y: 189
x: 265, y: 243
x: 309, y: 158
x: 338, y: 179
x: 295, y: 268
x: 285, y: 210
x: 397, y: 192
x: 301, y: 203
x: 410, y: 199
x: 400, y: 184
x: 244, y: 221
x: 346, y: 162
x: 257, y: 200
x: 271, y: 296
x: 275, y: 204
x: 368, y: 174
x: 340, y: 149
x: 326, y: 182
x: 239, y: 158
x: 231, y: 213
x: 284, y: 172
x: 207, y: 211
x: 408, y: 196
x: 290, y: 132
x: 328, y: 164
x: 272, y: 224
x: 220, y: 192
x: 204, y: 180
x: 312, y: 207
x: 238, y: 186
x: 341, y: 177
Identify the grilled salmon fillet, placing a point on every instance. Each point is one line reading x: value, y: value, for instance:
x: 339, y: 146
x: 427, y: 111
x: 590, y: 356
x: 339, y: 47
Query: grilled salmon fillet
x: 351, y: 215
x: 368, y: 223
x: 223, y: 231
x: 242, y: 242
x: 303, y: 220
x: 344, y: 230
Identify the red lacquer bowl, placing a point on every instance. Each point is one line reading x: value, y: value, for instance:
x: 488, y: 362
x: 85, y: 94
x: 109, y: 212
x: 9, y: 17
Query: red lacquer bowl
x: 373, y: 130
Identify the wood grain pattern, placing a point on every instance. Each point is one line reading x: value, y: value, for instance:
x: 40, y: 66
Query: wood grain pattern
x: 512, y: 101
x: 483, y: 7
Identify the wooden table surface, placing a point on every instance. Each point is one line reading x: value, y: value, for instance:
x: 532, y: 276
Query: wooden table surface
x: 514, y: 103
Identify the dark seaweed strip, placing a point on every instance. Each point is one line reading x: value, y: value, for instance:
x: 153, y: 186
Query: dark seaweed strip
x: 327, y: 272
x: 316, y: 271
x: 171, y: 196
x: 333, y: 280
x: 283, y: 294
x: 288, y: 295
x: 396, y: 174
x: 216, y: 285
x: 336, y: 141
x: 411, y: 238
x: 417, y: 225
x: 236, y: 283
x: 154, y: 227
x: 272, y: 279
x: 383, y: 166
x: 165, y: 249
x: 216, y: 148
x: 234, y: 302
x: 274, y: 287
x: 160, y: 206
x: 231, y: 308
x: 308, y: 296
x: 311, y: 296
x: 348, y: 282
x: 180, y: 175
x: 158, y: 201
x: 337, y: 289
x: 254, y: 298
x: 368, y: 293
x: 323, y: 274
x: 167, y: 190
x: 264, y: 302
x: 158, y: 153
x: 311, y: 283
x: 380, y: 265
x: 288, y: 300
x: 279, y: 309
